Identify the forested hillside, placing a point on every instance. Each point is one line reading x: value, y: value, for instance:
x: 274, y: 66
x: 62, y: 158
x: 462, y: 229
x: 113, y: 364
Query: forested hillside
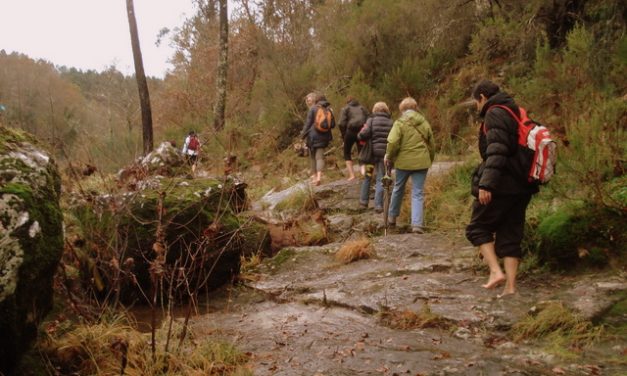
x: 565, y: 61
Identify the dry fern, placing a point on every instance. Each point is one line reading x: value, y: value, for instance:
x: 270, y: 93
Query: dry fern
x: 354, y: 250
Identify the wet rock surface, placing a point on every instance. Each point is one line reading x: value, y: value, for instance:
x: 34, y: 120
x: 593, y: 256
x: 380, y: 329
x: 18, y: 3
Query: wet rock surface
x: 307, y: 314
x: 304, y: 313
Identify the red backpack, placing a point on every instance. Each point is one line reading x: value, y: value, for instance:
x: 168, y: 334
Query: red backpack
x: 193, y: 144
x: 537, y: 151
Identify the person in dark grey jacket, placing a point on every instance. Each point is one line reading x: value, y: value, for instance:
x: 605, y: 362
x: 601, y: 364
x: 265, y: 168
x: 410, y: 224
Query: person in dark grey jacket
x: 376, y: 131
x: 502, y: 193
x: 352, y: 119
x: 317, y: 141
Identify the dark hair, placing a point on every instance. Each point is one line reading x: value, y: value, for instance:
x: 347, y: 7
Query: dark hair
x: 485, y: 87
x: 320, y: 97
x: 191, y: 133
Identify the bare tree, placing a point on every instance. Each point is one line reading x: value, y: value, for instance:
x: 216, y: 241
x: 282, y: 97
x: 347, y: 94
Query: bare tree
x: 220, y: 104
x: 142, y: 85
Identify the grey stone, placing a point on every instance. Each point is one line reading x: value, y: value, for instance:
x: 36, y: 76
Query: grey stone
x: 31, y: 241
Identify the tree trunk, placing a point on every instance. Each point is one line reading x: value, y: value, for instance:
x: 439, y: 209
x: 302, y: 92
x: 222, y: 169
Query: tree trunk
x: 142, y: 85
x: 220, y: 104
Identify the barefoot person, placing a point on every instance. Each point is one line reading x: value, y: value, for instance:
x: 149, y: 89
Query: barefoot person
x: 317, y: 134
x: 498, y: 212
x: 352, y: 118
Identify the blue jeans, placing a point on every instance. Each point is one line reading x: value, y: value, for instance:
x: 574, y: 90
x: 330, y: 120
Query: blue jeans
x: 417, y: 195
x: 364, y: 197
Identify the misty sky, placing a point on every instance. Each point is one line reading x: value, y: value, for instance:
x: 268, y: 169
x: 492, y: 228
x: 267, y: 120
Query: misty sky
x: 90, y: 34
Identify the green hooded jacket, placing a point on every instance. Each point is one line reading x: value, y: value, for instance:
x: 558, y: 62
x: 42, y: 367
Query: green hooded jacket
x: 410, y: 142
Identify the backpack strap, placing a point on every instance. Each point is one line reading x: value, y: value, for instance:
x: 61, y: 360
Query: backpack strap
x: 511, y: 112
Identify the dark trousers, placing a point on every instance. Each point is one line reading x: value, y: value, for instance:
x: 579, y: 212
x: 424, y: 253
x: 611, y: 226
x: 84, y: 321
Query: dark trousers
x: 502, y: 221
x: 350, y: 139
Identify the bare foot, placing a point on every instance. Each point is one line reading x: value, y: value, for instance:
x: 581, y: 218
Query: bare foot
x: 351, y: 178
x: 494, y: 280
x: 316, y: 182
x: 507, y: 292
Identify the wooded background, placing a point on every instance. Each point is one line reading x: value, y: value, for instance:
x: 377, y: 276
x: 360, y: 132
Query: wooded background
x: 565, y: 60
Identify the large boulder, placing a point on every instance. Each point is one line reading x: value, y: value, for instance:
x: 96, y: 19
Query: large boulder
x: 186, y: 234
x: 165, y: 160
x: 31, y: 241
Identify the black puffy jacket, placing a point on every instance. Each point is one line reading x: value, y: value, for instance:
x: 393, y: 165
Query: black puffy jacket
x: 498, y: 145
x: 315, y: 139
x: 377, y: 129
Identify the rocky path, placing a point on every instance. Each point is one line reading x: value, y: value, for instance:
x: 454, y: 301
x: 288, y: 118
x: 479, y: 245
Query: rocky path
x: 303, y: 313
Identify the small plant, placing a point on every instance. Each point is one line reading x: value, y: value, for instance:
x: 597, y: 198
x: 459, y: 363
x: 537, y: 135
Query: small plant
x: 249, y: 263
x: 408, y: 319
x: 559, y: 326
x: 113, y: 346
x: 314, y: 233
x: 354, y: 250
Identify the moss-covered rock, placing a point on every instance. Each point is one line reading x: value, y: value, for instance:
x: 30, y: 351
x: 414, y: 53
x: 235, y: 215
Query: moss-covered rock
x: 581, y: 234
x: 202, y: 237
x: 165, y: 160
x: 31, y: 240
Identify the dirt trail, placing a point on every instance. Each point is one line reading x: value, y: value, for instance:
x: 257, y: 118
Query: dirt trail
x: 303, y: 313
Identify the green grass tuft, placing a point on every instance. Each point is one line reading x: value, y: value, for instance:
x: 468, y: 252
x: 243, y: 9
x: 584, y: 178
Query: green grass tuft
x: 565, y: 332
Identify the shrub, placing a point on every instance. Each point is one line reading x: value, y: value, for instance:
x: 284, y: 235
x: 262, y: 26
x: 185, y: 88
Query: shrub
x: 499, y: 39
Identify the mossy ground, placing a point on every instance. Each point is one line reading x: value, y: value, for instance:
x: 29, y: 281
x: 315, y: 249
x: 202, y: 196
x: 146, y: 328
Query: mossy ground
x: 299, y: 201
x: 282, y: 257
x: 581, y: 234
x: 10, y: 137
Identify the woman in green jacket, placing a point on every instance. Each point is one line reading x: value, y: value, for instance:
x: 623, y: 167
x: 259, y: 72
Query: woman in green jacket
x: 411, y: 149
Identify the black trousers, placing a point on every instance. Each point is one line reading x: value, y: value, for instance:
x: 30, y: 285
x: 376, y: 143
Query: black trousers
x: 502, y: 221
x: 350, y: 139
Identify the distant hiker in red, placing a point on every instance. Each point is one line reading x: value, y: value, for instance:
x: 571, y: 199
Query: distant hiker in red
x: 191, y: 150
x: 317, y: 134
x: 498, y: 212
x: 353, y: 116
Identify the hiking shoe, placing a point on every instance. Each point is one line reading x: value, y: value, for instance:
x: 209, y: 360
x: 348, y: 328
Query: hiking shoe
x: 417, y: 230
x: 378, y: 210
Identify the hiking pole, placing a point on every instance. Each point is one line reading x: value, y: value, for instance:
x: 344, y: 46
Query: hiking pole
x: 387, y: 183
